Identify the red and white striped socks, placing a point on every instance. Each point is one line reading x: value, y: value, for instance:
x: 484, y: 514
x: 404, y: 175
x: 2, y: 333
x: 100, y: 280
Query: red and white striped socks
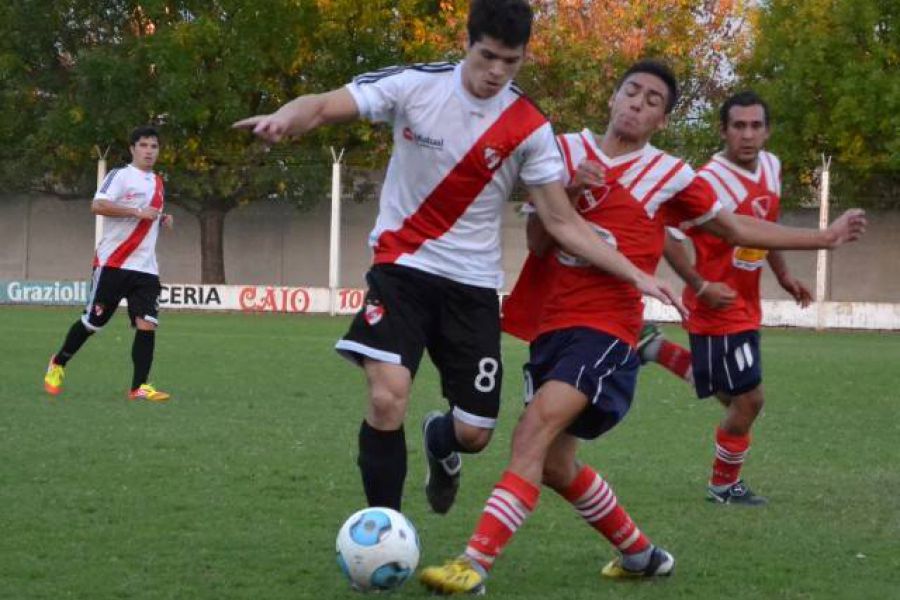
x: 596, y: 502
x: 512, y: 500
x: 676, y: 359
x: 731, y: 450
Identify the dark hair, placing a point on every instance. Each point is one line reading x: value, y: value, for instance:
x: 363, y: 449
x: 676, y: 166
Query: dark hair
x: 508, y: 21
x: 658, y: 69
x: 142, y: 132
x: 745, y: 98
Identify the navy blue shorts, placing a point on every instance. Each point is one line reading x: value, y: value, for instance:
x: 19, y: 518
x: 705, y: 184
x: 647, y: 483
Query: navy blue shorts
x: 726, y: 363
x: 601, y: 366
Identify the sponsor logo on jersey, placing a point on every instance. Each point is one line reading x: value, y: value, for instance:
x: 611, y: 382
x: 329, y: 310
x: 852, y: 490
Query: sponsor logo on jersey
x: 422, y: 140
x: 373, y: 313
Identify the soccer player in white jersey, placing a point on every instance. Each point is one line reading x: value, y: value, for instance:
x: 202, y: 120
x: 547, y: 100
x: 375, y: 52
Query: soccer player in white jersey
x: 722, y: 293
x: 463, y: 134
x: 131, y: 200
x: 583, y: 326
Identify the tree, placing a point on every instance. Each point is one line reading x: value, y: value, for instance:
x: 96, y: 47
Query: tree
x: 77, y: 74
x: 829, y: 69
x: 581, y: 47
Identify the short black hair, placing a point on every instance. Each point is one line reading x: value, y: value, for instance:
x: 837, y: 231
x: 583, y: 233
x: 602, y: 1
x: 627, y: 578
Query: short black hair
x: 508, y: 21
x: 659, y: 69
x: 745, y: 98
x: 142, y: 132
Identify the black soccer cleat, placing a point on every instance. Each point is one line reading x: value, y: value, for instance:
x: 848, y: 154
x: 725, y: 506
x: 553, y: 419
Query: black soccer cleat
x: 736, y: 493
x: 442, y: 475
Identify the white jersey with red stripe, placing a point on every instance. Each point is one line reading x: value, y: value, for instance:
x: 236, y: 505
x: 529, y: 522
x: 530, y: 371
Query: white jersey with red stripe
x: 756, y: 194
x: 455, y: 161
x: 128, y: 242
x: 644, y: 192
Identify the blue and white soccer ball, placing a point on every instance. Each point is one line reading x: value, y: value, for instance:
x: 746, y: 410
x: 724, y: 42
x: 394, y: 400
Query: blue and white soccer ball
x: 377, y: 549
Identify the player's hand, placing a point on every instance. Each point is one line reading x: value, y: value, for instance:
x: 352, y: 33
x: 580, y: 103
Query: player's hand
x: 270, y: 128
x: 150, y: 214
x: 797, y: 290
x: 590, y: 173
x: 167, y: 220
x: 716, y: 294
x: 651, y: 286
x: 849, y: 227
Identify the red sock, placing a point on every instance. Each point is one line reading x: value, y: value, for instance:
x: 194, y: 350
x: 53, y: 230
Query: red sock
x: 676, y: 359
x: 730, y: 453
x: 509, y: 505
x: 596, y: 502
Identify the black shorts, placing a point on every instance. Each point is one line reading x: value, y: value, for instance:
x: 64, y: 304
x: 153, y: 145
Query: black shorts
x: 599, y: 365
x: 110, y: 285
x: 407, y: 311
x: 731, y: 363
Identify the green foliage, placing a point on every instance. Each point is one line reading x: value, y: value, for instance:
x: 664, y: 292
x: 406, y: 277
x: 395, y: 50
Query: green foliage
x: 830, y: 69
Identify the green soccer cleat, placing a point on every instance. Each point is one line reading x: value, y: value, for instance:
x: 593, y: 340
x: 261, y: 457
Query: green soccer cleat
x: 661, y: 564
x: 457, y: 576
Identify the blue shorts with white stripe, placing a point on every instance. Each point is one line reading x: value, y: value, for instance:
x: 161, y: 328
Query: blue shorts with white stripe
x: 726, y: 363
x: 599, y: 365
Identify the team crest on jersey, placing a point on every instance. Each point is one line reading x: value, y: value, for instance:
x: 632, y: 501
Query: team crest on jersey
x: 373, y: 313
x: 760, y: 207
x: 591, y: 198
x: 492, y: 158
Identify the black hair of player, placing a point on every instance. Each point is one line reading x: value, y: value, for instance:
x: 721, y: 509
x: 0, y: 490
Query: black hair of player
x: 508, y: 21
x: 658, y: 69
x: 145, y: 131
x: 745, y: 98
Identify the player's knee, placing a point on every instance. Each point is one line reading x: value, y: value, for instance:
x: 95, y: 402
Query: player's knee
x: 387, y: 407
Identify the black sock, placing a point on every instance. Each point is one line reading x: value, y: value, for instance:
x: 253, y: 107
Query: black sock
x: 382, y: 462
x: 142, y: 356
x: 77, y: 336
x: 441, y: 438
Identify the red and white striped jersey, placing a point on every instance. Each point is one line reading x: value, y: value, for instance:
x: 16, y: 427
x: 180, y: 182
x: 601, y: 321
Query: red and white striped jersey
x: 128, y: 242
x: 454, y: 163
x: 757, y: 195
x: 644, y: 192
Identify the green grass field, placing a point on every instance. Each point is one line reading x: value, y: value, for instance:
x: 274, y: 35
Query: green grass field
x: 237, y: 487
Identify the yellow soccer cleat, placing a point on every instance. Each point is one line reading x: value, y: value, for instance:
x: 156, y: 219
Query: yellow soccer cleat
x: 457, y: 576
x: 148, y: 392
x: 661, y: 564
x: 53, y: 379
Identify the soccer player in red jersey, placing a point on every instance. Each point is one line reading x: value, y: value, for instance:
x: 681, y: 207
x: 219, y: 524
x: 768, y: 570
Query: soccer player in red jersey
x: 463, y: 135
x: 583, y: 326
x: 722, y: 293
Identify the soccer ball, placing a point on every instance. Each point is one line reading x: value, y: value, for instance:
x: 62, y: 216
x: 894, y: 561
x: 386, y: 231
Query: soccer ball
x: 377, y: 549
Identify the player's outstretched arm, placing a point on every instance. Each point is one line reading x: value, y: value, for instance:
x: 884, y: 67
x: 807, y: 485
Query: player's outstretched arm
x: 741, y: 230
x: 575, y: 235
x: 712, y: 293
x: 301, y: 115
